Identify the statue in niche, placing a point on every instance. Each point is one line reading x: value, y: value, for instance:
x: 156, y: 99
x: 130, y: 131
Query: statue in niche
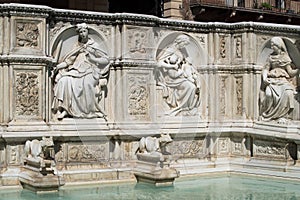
x: 79, y: 79
x: 179, y: 78
x: 278, y: 93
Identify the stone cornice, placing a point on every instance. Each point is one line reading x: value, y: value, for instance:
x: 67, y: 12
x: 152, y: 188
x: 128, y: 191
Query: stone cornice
x: 233, y: 69
x: 26, y: 59
x: 75, y: 16
x: 24, y: 10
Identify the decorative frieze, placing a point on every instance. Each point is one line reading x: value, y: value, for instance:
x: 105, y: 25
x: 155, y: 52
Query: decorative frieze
x: 269, y: 149
x: 88, y: 152
x: 188, y: 148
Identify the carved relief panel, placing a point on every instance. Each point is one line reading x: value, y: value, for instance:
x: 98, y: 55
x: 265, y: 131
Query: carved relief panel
x: 224, y: 82
x: 223, y: 49
x: 223, y: 146
x: 28, y: 36
x: 238, y: 146
x: 238, y: 94
x: 139, y: 43
x: 223, y: 52
x: 88, y: 152
x: 27, y: 94
x: 187, y: 148
x: 237, y: 47
x: 138, y: 96
x: 269, y: 149
x: 13, y: 154
x: 230, y: 96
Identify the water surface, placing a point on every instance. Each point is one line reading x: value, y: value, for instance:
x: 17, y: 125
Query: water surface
x: 206, y: 188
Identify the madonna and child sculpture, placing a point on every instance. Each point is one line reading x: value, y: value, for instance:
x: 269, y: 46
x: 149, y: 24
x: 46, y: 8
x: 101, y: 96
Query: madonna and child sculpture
x: 178, y: 77
x: 278, y: 93
x: 77, y: 85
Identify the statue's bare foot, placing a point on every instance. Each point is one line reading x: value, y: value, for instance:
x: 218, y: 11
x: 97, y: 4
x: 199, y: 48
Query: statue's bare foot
x: 62, y: 115
x: 283, y: 121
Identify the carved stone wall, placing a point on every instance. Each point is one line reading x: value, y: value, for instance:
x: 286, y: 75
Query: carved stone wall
x: 199, y: 82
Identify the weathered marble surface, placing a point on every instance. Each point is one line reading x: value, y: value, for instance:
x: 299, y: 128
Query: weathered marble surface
x: 214, y: 107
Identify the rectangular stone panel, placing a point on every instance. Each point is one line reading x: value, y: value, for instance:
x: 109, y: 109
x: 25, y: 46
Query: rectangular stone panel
x: 28, y: 97
x: 271, y: 150
x: 27, y: 36
x: 138, y: 43
x: 88, y: 152
x: 238, y: 146
x: 138, y: 96
x: 188, y: 148
x: 223, y: 146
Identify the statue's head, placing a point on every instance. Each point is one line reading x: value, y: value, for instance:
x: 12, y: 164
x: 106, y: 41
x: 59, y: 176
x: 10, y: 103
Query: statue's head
x: 181, y: 41
x: 278, y: 44
x: 83, y: 31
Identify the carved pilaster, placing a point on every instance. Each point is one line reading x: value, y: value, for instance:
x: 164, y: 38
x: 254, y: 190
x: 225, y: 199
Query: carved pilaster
x: 239, y: 95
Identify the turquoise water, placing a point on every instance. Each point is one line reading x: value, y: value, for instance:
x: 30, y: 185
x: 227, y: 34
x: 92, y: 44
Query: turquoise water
x: 231, y: 188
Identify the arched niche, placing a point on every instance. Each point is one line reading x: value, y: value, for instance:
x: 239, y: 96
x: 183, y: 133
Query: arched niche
x: 193, y: 49
x: 266, y: 50
x: 68, y: 37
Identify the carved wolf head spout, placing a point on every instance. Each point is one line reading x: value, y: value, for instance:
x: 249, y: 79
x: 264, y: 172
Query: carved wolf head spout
x: 165, y: 139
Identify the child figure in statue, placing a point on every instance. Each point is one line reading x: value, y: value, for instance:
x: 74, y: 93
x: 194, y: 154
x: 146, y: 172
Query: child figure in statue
x: 277, y: 99
x: 191, y: 73
x: 180, y: 93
